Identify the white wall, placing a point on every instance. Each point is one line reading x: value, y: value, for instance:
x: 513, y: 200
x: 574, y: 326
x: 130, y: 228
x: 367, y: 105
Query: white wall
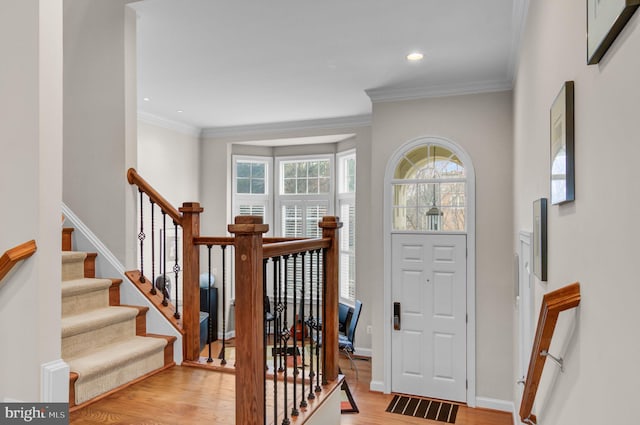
x: 31, y: 182
x: 99, y: 77
x: 482, y: 125
x: 169, y: 160
x: 594, y: 239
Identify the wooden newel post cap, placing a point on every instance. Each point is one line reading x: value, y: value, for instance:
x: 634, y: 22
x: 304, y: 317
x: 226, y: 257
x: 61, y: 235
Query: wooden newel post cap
x: 248, y: 224
x: 330, y: 222
x: 191, y: 207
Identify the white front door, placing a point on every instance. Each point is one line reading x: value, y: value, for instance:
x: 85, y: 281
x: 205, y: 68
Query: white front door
x: 429, y: 333
x: 428, y: 290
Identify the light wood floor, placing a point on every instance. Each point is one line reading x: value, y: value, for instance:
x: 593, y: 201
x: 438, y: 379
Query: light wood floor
x: 185, y: 396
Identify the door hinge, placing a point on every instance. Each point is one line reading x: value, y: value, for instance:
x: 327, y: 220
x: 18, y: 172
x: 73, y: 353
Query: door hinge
x: 466, y: 384
x: 466, y: 319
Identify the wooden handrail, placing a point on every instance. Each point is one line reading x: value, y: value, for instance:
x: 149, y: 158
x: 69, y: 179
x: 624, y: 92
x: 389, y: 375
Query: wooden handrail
x: 134, y: 178
x: 277, y: 249
x: 214, y: 240
x: 227, y: 240
x: 552, y: 304
x: 14, y: 255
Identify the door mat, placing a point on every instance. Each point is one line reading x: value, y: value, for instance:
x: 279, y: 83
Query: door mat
x: 424, y: 408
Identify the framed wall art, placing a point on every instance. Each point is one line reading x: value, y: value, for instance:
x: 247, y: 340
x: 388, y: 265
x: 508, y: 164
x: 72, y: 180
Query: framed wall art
x: 562, y: 146
x: 605, y: 20
x: 540, y: 238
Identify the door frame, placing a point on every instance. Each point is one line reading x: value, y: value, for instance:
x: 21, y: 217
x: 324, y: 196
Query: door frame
x: 471, y: 259
x: 526, y: 311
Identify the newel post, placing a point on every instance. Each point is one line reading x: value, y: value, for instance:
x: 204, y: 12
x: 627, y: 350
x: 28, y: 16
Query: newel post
x: 330, y: 229
x: 190, y: 280
x: 249, y: 305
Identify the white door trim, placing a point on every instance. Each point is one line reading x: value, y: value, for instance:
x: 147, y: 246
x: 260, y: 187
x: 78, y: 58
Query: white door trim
x: 471, y: 260
x: 526, y: 314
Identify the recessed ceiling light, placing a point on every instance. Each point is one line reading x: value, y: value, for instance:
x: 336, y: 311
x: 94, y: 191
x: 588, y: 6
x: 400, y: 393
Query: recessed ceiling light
x: 414, y: 56
x: 179, y: 111
x: 146, y: 99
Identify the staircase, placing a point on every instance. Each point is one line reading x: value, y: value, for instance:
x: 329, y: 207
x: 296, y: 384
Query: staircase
x: 105, y: 344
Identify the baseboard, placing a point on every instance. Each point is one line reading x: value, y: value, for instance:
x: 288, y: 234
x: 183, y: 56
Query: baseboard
x: 495, y: 404
x: 363, y: 352
x: 377, y: 386
x: 227, y: 335
x: 516, y: 418
x: 54, y: 385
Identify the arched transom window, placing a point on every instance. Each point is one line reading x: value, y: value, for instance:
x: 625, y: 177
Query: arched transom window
x: 429, y: 191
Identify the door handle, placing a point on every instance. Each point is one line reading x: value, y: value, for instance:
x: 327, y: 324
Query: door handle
x: 396, y: 316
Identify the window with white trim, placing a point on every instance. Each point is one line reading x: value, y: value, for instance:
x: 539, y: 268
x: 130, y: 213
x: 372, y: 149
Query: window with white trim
x: 304, y: 189
x: 305, y: 194
x: 251, y: 186
x: 346, y: 179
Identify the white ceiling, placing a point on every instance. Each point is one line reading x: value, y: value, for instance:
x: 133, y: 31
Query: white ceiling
x: 234, y: 63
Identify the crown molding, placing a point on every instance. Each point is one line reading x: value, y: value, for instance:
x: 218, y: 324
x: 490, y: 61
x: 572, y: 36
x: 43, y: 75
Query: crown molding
x: 412, y: 93
x: 518, y: 22
x: 279, y: 127
x: 168, y: 124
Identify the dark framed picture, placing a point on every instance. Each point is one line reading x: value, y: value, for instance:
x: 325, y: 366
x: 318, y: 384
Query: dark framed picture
x: 562, y: 146
x: 605, y: 20
x: 540, y: 238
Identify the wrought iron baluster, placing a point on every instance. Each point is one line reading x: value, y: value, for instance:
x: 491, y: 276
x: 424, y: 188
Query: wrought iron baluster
x: 176, y: 269
x: 294, y: 409
x: 279, y: 320
x: 264, y: 336
x: 324, y: 315
x: 312, y: 326
x: 320, y: 320
x: 141, y: 237
x: 276, y: 333
x: 209, y: 322
x: 221, y: 356
x: 165, y: 293
x: 285, y: 338
x: 153, y: 249
x: 303, y: 401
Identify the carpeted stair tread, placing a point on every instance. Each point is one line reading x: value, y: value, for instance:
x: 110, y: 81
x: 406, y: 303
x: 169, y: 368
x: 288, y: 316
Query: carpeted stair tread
x: 86, y: 294
x: 84, y: 285
x: 115, y: 355
x: 71, y: 256
x: 95, y: 319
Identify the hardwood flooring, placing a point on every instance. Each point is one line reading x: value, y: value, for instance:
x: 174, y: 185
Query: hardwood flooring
x: 191, y: 396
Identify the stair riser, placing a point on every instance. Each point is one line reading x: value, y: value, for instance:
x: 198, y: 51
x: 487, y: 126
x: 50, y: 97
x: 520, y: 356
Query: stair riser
x: 80, y: 303
x: 88, y: 388
x: 67, y: 244
x: 86, y: 342
x: 73, y: 270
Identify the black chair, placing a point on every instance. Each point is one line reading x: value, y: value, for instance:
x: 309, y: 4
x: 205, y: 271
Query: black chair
x: 344, y: 317
x: 345, y: 342
x: 268, y: 317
